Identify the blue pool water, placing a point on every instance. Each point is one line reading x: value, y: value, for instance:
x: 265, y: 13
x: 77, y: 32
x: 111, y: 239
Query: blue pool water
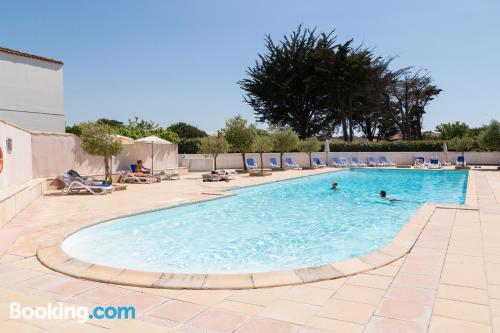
x: 282, y: 225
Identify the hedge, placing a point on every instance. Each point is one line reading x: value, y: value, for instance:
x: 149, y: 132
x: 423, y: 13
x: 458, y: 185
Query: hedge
x: 383, y: 146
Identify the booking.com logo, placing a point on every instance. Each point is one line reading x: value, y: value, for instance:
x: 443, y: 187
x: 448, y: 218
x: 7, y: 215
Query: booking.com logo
x: 79, y: 313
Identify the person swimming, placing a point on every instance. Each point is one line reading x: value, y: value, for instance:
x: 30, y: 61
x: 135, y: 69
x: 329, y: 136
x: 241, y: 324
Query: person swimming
x: 383, y: 195
x: 334, y: 186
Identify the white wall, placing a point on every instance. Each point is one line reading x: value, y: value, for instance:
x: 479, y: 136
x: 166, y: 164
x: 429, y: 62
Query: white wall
x: 31, y: 93
x: 17, y: 164
x: 234, y: 161
x: 56, y: 153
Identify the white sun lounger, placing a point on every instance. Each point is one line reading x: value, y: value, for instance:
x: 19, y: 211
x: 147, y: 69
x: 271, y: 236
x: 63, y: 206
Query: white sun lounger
x: 72, y: 185
x: 129, y: 177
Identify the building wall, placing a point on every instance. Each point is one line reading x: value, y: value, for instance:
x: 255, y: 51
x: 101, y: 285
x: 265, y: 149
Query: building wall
x: 31, y: 93
x: 56, y: 153
x: 198, y: 162
x: 17, y: 164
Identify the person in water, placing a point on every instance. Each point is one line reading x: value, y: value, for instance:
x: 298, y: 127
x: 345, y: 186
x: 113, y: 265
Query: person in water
x: 383, y: 195
x: 334, y: 186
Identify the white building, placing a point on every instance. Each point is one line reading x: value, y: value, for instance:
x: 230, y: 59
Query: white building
x: 31, y: 91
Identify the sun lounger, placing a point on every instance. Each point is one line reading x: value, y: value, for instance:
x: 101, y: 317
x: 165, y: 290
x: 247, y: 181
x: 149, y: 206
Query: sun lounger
x: 126, y: 176
x: 419, y: 162
x: 291, y: 164
x: 317, y: 162
x: 461, y: 161
x: 372, y: 162
x: 444, y: 163
x: 72, y: 185
x: 89, y: 180
x: 434, y: 164
x: 335, y: 162
x: 385, y: 162
x: 355, y: 163
x: 274, y: 163
x: 251, y: 164
x: 344, y: 162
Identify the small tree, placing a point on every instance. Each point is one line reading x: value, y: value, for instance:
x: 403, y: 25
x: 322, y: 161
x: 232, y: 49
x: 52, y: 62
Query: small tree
x: 462, y: 144
x: 285, y: 141
x: 240, y: 136
x: 309, y: 146
x: 213, y: 146
x: 262, y: 144
x: 489, y: 138
x: 97, y: 139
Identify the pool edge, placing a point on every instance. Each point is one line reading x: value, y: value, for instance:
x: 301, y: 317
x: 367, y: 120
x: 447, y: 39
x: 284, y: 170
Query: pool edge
x: 53, y: 256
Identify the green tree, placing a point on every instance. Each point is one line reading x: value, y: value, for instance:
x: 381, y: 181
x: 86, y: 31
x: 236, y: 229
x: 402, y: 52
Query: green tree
x: 186, y: 131
x: 97, y: 139
x: 309, y: 146
x: 76, y: 129
x: 489, y: 138
x: 452, y: 130
x: 240, y: 136
x: 214, y: 146
x: 285, y: 141
x: 463, y: 144
x: 283, y: 87
x: 262, y: 144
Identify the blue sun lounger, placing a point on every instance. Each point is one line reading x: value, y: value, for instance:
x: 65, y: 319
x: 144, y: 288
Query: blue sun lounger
x: 317, y: 162
x: 251, y: 164
x: 355, y: 163
x: 461, y: 161
x: 274, y: 163
x: 291, y: 164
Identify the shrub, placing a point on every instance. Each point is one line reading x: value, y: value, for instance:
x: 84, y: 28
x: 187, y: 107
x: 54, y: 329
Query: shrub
x: 489, y: 138
x: 387, y: 146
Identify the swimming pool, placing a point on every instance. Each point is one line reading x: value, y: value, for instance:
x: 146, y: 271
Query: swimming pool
x: 282, y: 225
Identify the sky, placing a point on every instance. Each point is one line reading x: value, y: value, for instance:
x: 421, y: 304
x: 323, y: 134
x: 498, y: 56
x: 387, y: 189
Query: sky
x: 180, y: 60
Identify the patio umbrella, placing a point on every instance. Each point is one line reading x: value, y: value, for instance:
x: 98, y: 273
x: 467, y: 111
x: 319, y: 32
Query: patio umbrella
x: 445, y: 152
x: 326, y: 150
x: 152, y: 139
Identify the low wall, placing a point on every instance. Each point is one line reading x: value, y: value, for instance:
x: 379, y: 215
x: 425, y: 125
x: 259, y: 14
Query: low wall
x: 56, y: 153
x: 199, y: 162
x: 16, y: 163
x: 14, y: 199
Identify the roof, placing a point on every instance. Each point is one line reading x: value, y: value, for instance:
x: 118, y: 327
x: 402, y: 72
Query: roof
x: 28, y: 55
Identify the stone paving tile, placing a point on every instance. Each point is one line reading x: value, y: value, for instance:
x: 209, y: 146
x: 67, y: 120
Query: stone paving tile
x: 387, y: 325
x: 260, y: 297
x: 102, y: 294
x: 407, y: 311
x: 442, y: 324
x: 465, y: 294
x: 463, y: 311
x: 18, y: 327
x: 464, y: 274
x: 248, y: 309
x: 369, y: 280
x: 417, y: 280
x: 217, y: 320
x: 204, y: 297
x: 305, y: 294
x: 142, y: 302
x: 177, y: 311
x: 265, y: 325
x: 359, y: 294
x: 353, y: 312
x: 74, y: 327
x: 138, y: 326
x: 289, y: 311
x: 333, y: 325
x: 411, y: 294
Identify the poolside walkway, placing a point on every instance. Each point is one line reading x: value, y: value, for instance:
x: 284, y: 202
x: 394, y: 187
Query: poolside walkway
x: 448, y: 282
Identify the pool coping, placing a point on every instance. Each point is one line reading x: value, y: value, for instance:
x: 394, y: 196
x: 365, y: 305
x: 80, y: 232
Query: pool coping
x: 51, y: 255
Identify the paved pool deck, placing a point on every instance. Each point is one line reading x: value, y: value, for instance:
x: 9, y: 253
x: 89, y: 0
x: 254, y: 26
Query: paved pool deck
x: 448, y: 282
